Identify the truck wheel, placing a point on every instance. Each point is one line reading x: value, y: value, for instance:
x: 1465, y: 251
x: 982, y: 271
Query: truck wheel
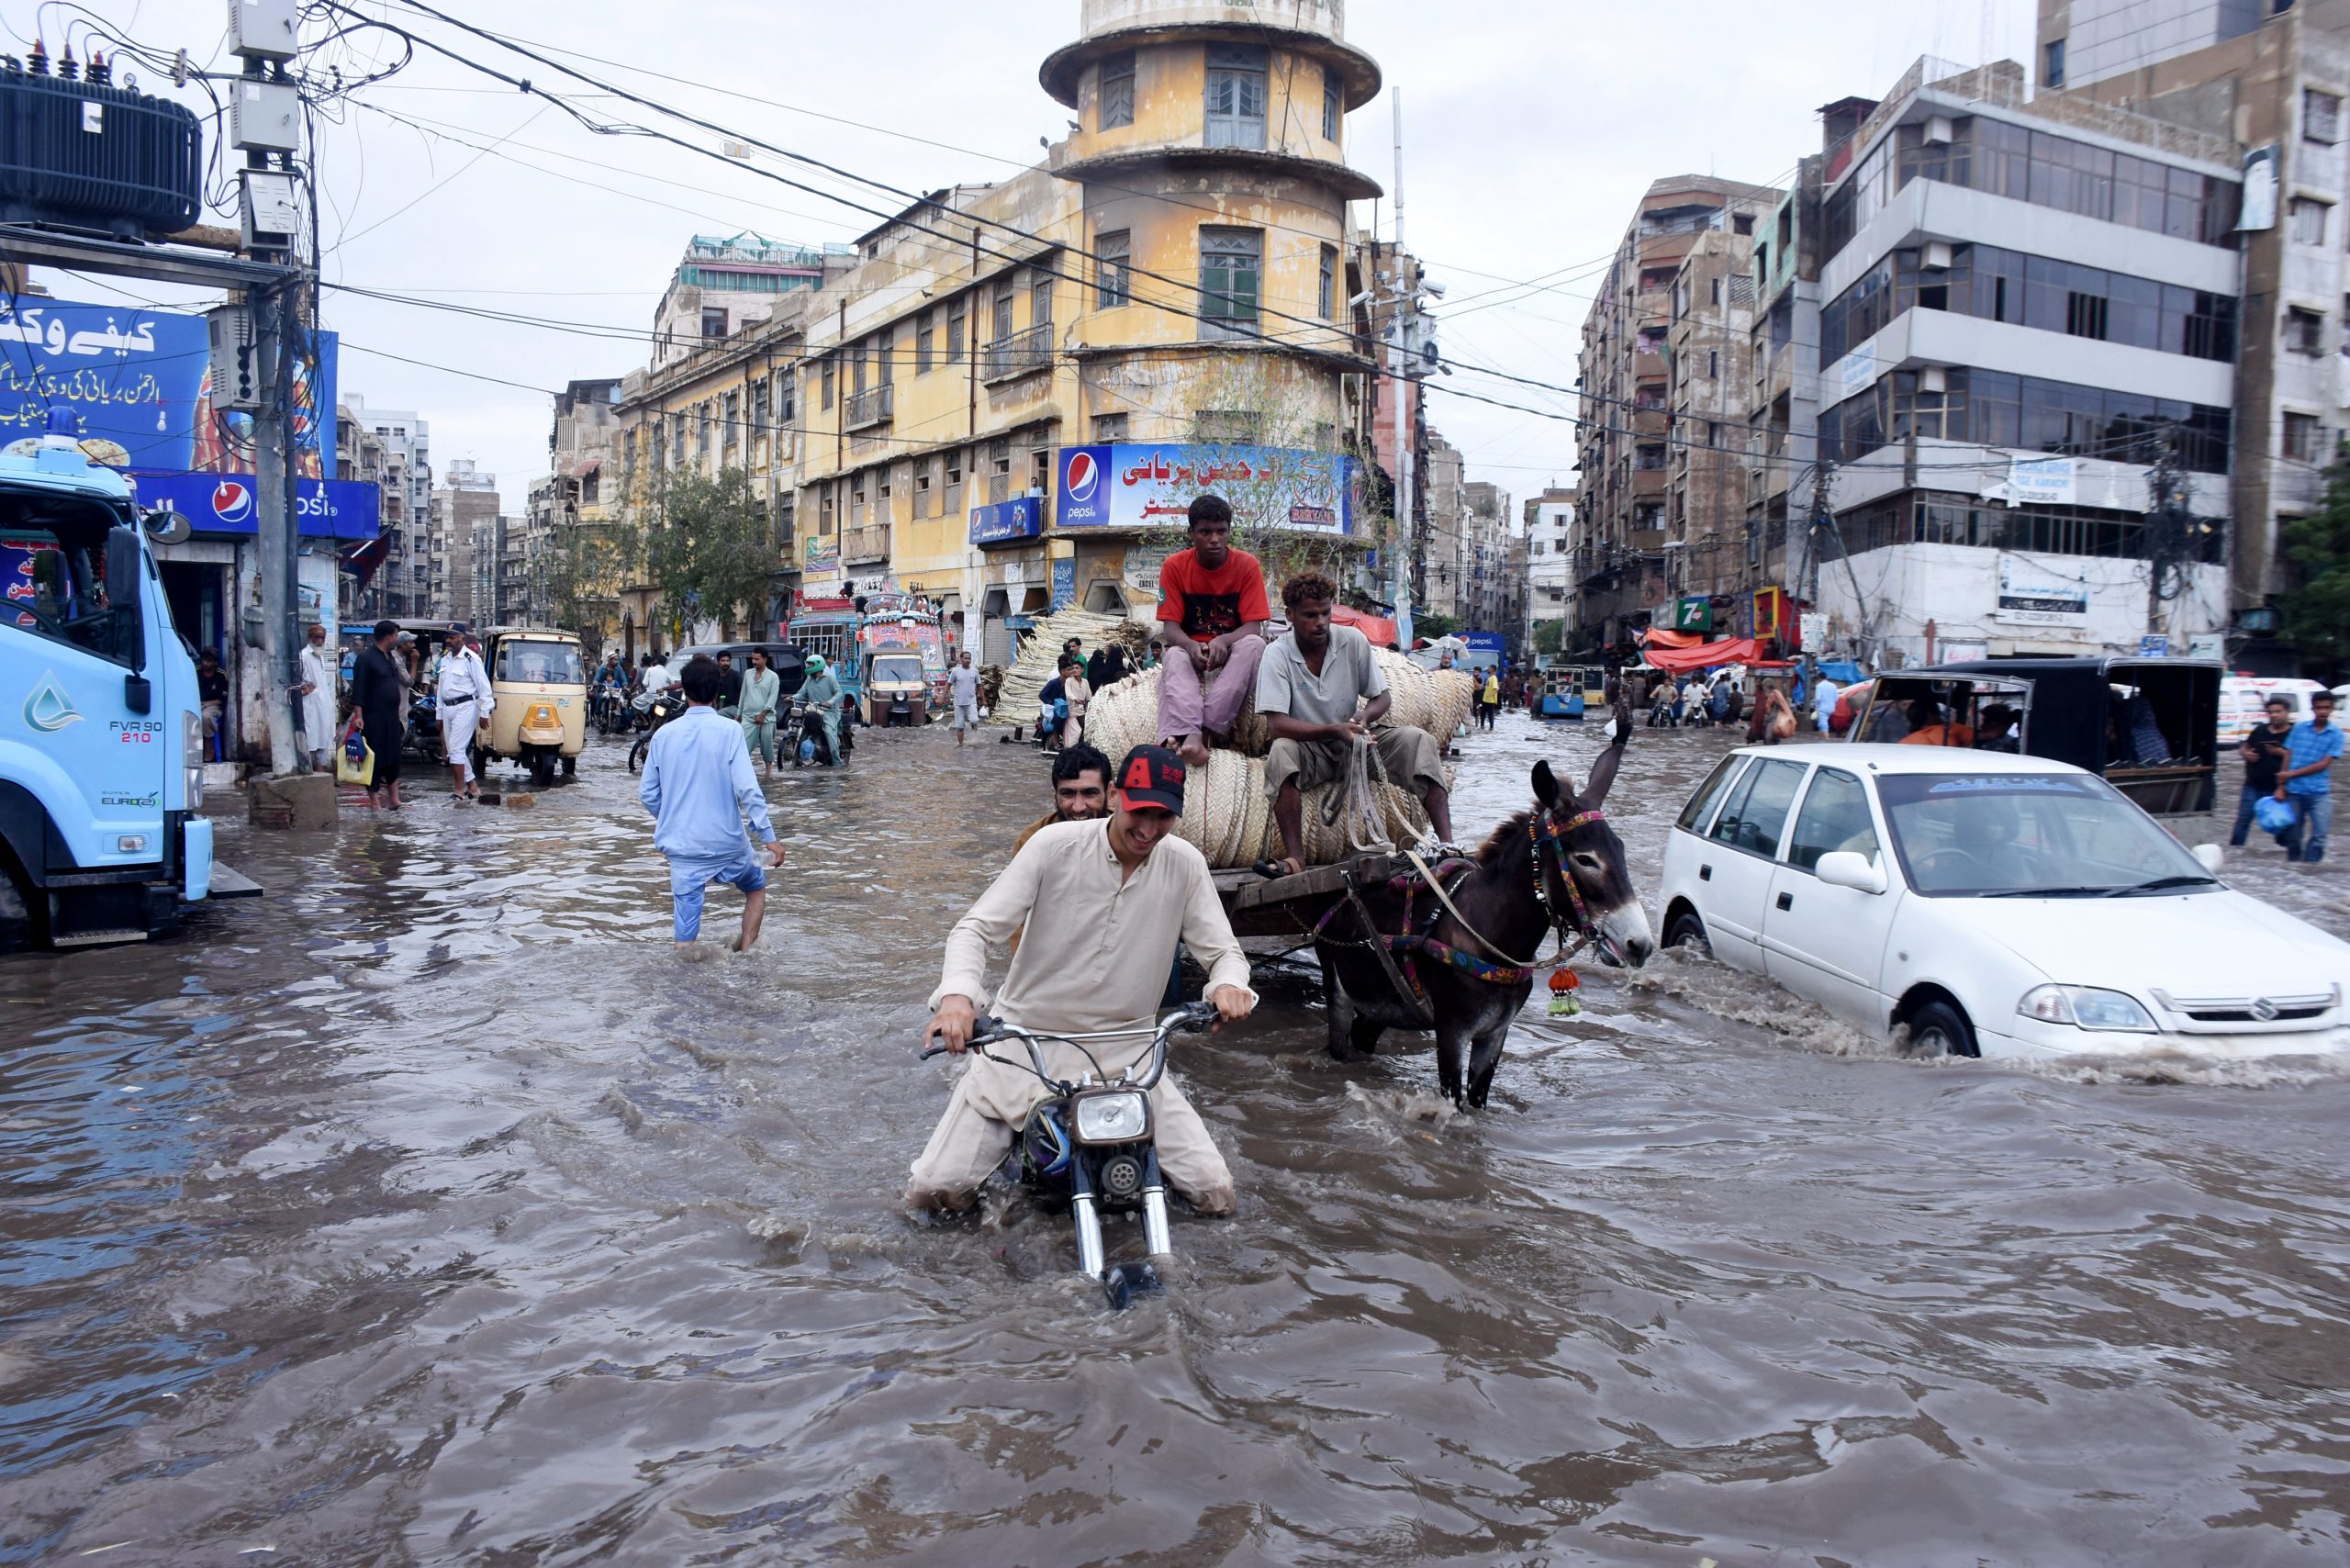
x: 20, y: 920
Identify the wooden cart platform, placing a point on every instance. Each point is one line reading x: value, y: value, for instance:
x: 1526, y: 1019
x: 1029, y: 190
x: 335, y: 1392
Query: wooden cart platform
x: 1288, y: 906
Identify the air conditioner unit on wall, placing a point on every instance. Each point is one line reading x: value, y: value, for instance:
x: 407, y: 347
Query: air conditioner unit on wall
x: 1933, y: 378
x: 1940, y: 130
x: 1935, y: 255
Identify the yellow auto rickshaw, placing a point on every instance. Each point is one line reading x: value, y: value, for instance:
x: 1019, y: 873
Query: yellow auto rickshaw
x: 539, y: 679
x: 895, y: 690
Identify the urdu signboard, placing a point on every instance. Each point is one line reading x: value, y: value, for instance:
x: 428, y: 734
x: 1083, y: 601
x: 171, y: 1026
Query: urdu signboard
x: 1144, y: 485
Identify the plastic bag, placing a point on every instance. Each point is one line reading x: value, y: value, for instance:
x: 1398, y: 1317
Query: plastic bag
x: 2275, y: 815
x: 355, y: 760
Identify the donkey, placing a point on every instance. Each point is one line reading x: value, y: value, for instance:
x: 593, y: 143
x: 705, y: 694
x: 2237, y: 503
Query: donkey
x: 1557, y: 865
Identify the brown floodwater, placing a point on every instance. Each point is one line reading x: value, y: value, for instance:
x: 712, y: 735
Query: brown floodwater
x: 431, y: 1210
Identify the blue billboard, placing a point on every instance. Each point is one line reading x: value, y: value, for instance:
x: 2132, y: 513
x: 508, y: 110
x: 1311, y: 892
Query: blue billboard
x: 139, y: 381
x: 1143, y: 486
x: 1008, y: 522
x: 228, y: 505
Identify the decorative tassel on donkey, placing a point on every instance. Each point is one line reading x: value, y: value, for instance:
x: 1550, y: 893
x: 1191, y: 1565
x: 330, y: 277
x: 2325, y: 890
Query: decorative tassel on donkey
x: 1556, y: 867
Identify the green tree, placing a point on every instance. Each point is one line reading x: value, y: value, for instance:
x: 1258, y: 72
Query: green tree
x: 1547, y: 634
x: 707, y: 549
x: 1432, y: 626
x: 2317, y: 612
x: 580, y: 568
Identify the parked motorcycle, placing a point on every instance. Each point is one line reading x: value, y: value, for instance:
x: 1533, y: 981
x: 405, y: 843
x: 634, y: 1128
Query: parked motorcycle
x: 424, y: 726
x: 1093, y: 1144
x: 657, y: 709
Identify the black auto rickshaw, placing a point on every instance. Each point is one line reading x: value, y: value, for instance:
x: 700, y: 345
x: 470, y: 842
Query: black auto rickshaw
x: 2148, y: 726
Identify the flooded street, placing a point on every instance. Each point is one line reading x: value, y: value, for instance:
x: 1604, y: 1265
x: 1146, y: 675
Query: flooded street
x: 431, y: 1210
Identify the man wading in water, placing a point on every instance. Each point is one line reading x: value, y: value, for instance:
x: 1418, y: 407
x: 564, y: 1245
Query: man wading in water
x: 1099, y: 906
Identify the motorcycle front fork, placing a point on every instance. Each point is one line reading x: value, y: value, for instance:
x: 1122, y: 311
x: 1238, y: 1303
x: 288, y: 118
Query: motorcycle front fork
x: 1091, y: 1260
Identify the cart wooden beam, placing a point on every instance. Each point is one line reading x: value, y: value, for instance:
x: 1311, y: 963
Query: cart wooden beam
x: 1288, y: 906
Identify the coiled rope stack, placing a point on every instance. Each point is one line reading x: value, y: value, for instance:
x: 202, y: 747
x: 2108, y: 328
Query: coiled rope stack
x: 1014, y: 701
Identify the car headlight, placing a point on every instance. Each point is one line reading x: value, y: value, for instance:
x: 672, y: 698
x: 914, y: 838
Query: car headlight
x: 2086, y: 1007
x: 1118, y: 1118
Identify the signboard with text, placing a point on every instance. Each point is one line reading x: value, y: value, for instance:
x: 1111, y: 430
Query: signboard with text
x: 1138, y: 485
x: 2030, y: 592
x: 1008, y: 522
x: 230, y: 504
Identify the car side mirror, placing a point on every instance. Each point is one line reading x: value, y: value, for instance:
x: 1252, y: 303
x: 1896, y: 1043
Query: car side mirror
x: 2210, y: 856
x: 1846, y: 868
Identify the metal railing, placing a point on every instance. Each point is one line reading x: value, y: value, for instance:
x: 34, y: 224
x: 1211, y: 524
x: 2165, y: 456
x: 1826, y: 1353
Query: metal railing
x: 871, y: 407
x: 1023, y: 353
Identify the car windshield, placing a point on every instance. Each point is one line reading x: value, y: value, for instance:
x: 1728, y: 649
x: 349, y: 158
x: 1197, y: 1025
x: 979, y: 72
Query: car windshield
x: 543, y: 664
x: 2026, y: 835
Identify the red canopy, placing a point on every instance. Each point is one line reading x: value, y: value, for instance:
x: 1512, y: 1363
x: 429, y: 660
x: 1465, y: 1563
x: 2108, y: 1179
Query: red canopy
x: 1682, y: 661
x: 1381, y: 631
x: 1664, y: 637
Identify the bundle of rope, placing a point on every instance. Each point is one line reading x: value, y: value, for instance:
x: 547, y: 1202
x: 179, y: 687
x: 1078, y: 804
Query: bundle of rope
x: 1126, y: 715
x: 1015, y: 700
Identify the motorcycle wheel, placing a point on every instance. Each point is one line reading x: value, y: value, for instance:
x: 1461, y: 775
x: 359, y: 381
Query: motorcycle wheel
x: 1127, y: 1282
x: 636, y: 754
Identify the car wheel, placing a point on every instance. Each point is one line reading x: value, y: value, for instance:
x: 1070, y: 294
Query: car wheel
x: 1938, y: 1029
x: 1688, y: 931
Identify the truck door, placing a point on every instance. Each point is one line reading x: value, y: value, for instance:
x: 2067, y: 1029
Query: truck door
x: 84, y: 729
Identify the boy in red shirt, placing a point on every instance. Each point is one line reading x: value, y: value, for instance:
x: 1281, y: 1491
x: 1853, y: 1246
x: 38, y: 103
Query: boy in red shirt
x: 1212, y: 615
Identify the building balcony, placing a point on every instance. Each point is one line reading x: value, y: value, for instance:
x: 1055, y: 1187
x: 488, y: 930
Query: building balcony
x: 874, y: 406
x: 1023, y: 353
x: 862, y: 545
x: 1656, y: 422
x: 1648, y: 365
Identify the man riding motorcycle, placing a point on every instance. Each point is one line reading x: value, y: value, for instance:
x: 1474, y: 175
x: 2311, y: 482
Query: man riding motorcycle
x: 822, y: 694
x: 1098, y: 907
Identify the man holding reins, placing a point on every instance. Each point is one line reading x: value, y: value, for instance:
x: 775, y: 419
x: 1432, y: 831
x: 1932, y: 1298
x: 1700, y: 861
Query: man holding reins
x: 1310, y: 688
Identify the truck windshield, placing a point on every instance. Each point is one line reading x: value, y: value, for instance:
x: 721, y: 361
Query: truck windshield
x: 72, y: 579
x: 543, y: 664
x: 2027, y: 836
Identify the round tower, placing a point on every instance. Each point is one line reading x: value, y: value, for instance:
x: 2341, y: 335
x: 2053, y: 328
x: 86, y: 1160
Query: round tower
x: 1210, y: 144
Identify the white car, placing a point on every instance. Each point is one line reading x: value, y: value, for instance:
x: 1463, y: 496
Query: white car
x: 1990, y: 904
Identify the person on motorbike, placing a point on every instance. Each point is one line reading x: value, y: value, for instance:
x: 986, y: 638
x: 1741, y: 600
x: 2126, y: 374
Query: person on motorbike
x: 1099, y: 906
x: 821, y: 692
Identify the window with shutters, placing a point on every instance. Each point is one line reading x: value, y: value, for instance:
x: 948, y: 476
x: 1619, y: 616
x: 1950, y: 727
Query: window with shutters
x: 1231, y: 277
x: 922, y: 344
x: 827, y: 383
x: 1117, y: 91
x: 2301, y: 437
x: 1325, y: 294
x: 787, y: 396
x: 1040, y: 298
x: 2309, y: 221
x: 1333, y: 103
x: 1236, y: 96
x: 2321, y: 116
x: 998, y: 472
x: 954, y: 332
x: 953, y: 462
x: 1114, y: 261
x: 1002, y: 311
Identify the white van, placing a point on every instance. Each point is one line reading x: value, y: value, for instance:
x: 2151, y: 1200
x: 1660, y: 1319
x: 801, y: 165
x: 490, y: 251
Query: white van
x: 2244, y: 702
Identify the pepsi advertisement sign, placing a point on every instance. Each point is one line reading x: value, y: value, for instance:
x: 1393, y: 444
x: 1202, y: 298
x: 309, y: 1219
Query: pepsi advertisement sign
x: 1008, y: 522
x: 230, y: 504
x: 1130, y: 486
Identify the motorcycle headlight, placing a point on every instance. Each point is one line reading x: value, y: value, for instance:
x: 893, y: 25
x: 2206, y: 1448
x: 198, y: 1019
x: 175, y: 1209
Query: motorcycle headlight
x: 1118, y: 1116
x: 2086, y: 1007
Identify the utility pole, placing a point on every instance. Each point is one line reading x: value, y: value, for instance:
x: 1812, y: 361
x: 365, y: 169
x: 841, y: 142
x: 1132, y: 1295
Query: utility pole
x: 276, y: 524
x: 1407, y: 537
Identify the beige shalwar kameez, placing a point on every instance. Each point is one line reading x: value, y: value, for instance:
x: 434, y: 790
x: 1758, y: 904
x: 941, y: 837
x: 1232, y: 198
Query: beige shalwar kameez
x: 1095, y: 947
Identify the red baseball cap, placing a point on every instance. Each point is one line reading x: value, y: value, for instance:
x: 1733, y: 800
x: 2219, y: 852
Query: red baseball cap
x: 1151, y: 778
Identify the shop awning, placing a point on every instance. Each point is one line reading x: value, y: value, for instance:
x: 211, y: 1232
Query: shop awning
x: 1381, y: 631
x: 1705, y: 655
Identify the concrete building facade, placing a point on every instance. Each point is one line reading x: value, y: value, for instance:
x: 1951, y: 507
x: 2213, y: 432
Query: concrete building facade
x: 1177, y: 275
x: 2026, y: 308
x: 1627, y: 441
x: 465, y: 499
x: 2270, y: 80
x: 1548, y: 529
x: 394, y: 449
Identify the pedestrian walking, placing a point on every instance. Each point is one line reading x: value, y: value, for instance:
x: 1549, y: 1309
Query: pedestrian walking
x: 2264, y: 759
x: 1823, y: 703
x: 762, y: 694
x: 699, y: 788
x: 319, y: 705
x: 462, y: 699
x: 963, y: 685
x: 379, y: 694
x: 1489, y: 698
x: 2307, y: 780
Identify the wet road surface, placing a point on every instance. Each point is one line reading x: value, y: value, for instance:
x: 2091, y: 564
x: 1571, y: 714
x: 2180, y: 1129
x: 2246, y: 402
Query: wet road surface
x: 432, y: 1211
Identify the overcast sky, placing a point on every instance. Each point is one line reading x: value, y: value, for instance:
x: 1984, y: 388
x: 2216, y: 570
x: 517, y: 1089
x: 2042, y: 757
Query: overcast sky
x: 1530, y: 129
